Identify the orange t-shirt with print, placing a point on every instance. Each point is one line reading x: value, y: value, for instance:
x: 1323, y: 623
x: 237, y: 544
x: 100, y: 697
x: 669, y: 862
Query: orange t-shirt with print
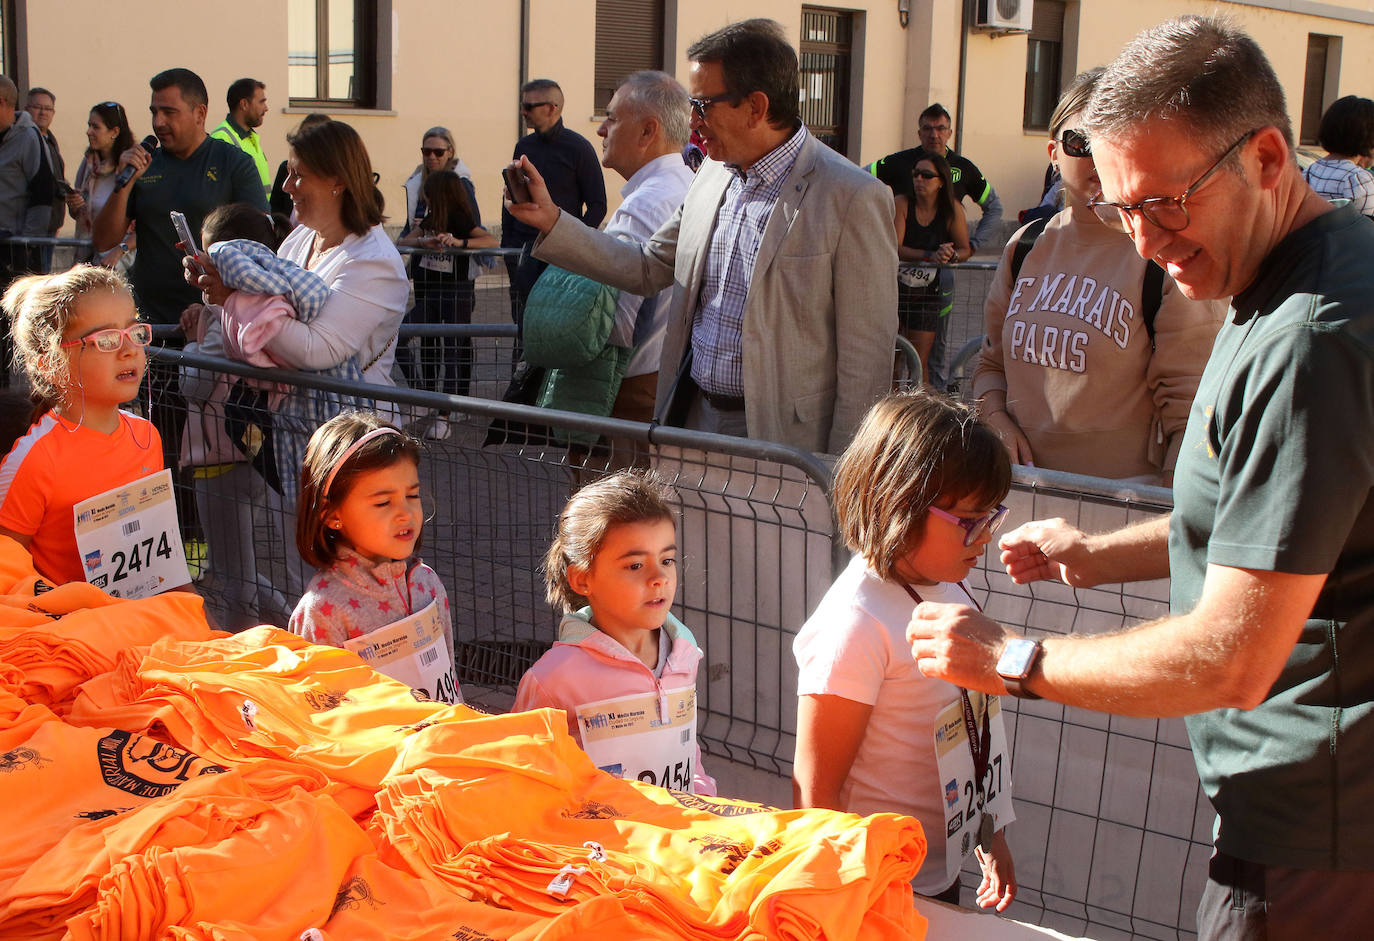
x: 56, y: 466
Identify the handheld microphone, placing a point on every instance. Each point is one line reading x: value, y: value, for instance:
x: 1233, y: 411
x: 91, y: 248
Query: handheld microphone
x: 149, y: 144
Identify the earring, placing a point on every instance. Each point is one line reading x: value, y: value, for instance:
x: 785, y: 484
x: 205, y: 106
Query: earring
x: 334, y: 192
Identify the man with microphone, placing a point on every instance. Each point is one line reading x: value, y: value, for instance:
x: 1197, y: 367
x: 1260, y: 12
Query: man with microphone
x: 190, y: 172
x: 185, y: 169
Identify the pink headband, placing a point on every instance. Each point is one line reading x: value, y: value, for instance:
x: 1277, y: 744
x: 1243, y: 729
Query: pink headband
x: 353, y: 449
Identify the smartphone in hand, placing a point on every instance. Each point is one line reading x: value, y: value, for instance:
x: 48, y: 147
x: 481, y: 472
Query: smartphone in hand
x: 185, y: 236
x: 516, y: 185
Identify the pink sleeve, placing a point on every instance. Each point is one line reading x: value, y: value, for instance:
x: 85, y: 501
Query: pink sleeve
x: 702, y: 783
x: 251, y: 321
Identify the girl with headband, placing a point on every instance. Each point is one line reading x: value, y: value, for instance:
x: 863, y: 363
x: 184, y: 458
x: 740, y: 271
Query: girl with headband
x: 359, y: 524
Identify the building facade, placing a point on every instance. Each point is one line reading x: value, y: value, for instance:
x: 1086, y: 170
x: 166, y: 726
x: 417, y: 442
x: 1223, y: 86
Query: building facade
x: 393, y: 68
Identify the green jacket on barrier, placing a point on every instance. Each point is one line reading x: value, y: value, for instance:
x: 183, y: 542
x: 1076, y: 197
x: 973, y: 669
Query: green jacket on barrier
x: 247, y: 141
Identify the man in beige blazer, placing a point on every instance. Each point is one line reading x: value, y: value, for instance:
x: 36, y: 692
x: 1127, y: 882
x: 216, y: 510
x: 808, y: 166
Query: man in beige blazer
x: 782, y: 260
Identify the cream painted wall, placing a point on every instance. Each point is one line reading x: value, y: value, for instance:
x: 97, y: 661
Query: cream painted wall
x: 1015, y: 159
x: 439, y: 76
x: 456, y: 63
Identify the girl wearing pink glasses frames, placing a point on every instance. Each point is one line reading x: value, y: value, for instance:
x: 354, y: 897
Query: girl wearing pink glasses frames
x: 78, y: 341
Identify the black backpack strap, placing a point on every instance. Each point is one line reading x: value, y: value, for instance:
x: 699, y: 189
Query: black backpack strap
x: 1151, y: 296
x: 1024, y: 243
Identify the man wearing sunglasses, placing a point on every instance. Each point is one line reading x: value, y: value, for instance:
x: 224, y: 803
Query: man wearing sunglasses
x: 1269, y: 648
x: 571, y: 169
x: 782, y: 260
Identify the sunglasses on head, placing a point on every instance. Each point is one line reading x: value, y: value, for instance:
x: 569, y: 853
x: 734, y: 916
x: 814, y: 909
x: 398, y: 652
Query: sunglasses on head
x: 926, y: 174
x: 433, y: 151
x: 112, y: 339
x: 1075, y: 144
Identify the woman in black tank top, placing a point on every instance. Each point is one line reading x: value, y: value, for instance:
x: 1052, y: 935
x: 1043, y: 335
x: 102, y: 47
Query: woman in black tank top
x: 931, y: 231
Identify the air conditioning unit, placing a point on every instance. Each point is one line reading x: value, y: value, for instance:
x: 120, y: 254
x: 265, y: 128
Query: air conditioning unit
x: 1005, y: 15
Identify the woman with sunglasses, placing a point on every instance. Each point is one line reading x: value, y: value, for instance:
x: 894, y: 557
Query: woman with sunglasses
x: 79, y: 342
x: 109, y: 135
x: 931, y: 231
x: 437, y: 152
x: 1076, y: 373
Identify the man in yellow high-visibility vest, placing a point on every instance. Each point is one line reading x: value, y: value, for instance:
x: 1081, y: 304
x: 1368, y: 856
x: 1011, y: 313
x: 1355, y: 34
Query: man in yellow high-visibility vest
x: 247, y: 99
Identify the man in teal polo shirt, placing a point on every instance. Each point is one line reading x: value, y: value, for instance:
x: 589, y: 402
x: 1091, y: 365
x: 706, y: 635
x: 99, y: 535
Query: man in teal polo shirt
x: 247, y: 99
x: 1269, y: 646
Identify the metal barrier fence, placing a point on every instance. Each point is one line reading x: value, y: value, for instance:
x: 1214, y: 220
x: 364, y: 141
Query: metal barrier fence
x: 1112, y: 830
x: 1112, y: 834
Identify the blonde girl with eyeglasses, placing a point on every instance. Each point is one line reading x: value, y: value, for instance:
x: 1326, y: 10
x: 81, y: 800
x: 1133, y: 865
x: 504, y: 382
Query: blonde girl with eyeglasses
x: 80, y: 345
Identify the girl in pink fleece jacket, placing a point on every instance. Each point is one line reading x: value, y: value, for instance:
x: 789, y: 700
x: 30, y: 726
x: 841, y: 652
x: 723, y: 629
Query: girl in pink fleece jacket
x: 623, y: 669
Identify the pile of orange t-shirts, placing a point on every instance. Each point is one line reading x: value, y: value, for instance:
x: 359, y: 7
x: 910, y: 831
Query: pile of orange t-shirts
x: 266, y: 693
x: 256, y: 786
x: 496, y: 808
x: 54, y: 639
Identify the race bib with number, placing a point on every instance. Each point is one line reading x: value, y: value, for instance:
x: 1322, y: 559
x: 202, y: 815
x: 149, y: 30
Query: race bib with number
x: 129, y: 538
x: 917, y: 277
x: 628, y: 738
x: 413, y: 651
x: 964, y: 805
x: 440, y: 263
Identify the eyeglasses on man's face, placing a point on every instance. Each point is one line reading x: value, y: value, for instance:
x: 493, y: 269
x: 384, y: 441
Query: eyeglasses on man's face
x: 975, y: 527
x: 112, y: 338
x: 699, y: 105
x: 1169, y: 213
x: 533, y: 105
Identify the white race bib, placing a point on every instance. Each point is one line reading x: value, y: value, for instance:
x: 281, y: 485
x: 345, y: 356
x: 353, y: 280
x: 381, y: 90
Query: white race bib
x: 917, y: 277
x: 963, y: 805
x: 440, y: 263
x: 129, y: 538
x: 628, y: 738
x: 413, y: 651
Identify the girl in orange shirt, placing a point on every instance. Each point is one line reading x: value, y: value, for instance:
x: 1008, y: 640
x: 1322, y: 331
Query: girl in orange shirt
x: 79, y: 342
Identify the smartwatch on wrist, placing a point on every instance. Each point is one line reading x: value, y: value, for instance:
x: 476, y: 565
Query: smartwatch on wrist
x: 1015, y: 664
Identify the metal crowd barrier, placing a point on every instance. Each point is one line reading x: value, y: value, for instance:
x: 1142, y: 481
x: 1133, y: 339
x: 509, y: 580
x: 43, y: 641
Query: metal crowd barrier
x: 1112, y: 830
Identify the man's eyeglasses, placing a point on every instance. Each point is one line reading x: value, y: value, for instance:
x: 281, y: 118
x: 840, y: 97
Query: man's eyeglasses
x: 531, y: 105
x: 110, y: 340
x: 699, y: 105
x: 1169, y: 213
x: 433, y: 151
x: 926, y: 174
x: 933, y: 128
x: 975, y: 528
x: 1075, y: 144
